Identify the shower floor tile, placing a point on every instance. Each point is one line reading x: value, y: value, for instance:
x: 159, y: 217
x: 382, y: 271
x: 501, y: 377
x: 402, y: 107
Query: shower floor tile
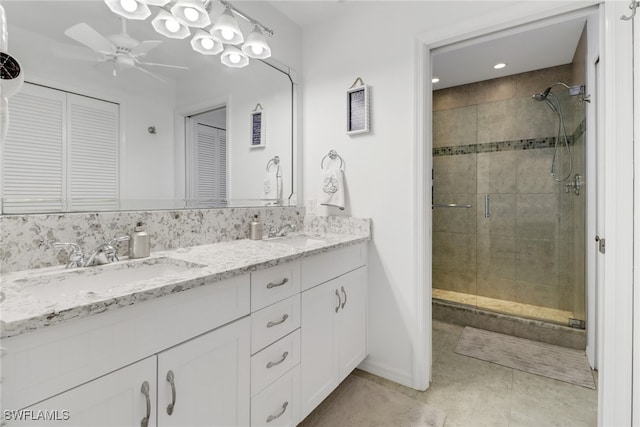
x: 506, y: 307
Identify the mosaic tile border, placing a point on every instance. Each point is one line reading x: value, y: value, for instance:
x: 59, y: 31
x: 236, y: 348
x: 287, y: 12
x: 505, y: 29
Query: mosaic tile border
x: 520, y: 144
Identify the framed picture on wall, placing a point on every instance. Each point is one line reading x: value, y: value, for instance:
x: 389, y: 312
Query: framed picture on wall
x: 258, y: 129
x: 358, y: 110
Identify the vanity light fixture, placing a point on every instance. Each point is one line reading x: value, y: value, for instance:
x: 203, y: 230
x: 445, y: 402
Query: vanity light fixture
x: 256, y: 45
x: 191, y: 13
x: 169, y: 26
x: 176, y: 17
x: 226, y: 28
x: 204, y: 43
x: 234, y: 57
x: 435, y: 80
x: 499, y: 65
x: 130, y: 9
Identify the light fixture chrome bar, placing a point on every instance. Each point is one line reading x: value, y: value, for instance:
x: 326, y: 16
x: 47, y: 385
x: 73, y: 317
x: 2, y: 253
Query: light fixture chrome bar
x: 246, y: 17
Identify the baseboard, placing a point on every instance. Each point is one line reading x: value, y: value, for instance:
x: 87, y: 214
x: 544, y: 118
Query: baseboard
x: 387, y: 372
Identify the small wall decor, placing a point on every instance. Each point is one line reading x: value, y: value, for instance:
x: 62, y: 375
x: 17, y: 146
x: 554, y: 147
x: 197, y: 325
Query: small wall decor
x: 258, y: 128
x: 358, y: 108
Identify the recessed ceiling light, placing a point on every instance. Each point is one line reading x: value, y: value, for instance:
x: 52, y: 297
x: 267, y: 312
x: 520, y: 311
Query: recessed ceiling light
x: 435, y: 80
x: 499, y: 65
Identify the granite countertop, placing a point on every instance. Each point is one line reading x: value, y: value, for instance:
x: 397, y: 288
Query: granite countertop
x: 32, y: 301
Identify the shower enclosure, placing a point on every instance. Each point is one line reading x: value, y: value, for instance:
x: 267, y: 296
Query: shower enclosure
x: 509, y: 213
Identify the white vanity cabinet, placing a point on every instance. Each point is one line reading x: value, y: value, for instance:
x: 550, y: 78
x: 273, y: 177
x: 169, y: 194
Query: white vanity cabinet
x: 202, y: 382
x: 125, y: 397
x: 95, y: 367
x: 334, y: 324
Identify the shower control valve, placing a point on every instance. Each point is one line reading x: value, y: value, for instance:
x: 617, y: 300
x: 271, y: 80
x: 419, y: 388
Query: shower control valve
x: 576, y: 183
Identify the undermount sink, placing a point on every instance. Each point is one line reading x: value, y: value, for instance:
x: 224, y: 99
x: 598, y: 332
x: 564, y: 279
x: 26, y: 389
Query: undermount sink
x: 298, y: 241
x: 90, y: 280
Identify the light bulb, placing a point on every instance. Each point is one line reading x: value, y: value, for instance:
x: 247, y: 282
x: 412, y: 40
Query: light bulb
x: 499, y: 65
x: 172, y: 25
x: 227, y: 34
x: 234, y: 58
x: 257, y: 49
x: 191, y: 14
x: 207, y: 43
x: 129, y: 5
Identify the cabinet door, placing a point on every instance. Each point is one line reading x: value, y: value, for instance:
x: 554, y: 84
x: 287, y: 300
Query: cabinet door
x: 116, y: 399
x: 351, y: 331
x: 207, y: 379
x: 319, y: 355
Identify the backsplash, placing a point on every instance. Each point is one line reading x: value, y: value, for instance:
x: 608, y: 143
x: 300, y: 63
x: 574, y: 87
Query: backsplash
x: 26, y: 241
x: 337, y: 224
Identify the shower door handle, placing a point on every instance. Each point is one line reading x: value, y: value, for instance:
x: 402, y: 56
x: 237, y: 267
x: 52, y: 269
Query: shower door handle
x: 487, y: 207
x: 449, y: 205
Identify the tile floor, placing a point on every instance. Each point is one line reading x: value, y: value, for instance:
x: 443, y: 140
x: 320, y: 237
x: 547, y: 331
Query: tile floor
x: 475, y: 393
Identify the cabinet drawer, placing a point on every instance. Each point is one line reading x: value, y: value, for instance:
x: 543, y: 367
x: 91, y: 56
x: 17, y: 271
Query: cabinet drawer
x: 274, y: 284
x: 273, y: 361
x: 274, y: 322
x: 278, y: 404
x: 321, y: 268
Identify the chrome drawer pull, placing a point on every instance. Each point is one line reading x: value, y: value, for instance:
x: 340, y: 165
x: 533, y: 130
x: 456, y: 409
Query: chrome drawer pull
x: 345, y: 297
x: 145, y: 391
x: 278, y: 415
x: 279, y: 322
x: 171, y: 405
x: 272, y: 364
x: 275, y: 285
x: 339, y: 301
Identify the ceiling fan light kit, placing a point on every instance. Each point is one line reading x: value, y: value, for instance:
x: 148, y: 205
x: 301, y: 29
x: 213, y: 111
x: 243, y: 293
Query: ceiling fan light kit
x: 177, y: 16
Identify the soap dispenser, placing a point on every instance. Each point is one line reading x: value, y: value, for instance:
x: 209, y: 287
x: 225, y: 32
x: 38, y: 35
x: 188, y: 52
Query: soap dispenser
x: 139, y: 243
x: 255, y: 229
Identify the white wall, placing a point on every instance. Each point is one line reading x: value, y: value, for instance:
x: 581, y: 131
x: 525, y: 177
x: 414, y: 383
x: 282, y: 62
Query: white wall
x: 375, y: 40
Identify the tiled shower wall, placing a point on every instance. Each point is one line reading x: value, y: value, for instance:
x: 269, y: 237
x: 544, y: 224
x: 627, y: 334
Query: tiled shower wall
x: 492, y: 138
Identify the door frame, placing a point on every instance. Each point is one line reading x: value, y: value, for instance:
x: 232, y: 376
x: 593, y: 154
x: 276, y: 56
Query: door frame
x: 512, y: 17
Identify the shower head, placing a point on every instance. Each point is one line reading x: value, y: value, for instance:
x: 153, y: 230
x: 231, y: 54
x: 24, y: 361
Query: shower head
x: 543, y: 95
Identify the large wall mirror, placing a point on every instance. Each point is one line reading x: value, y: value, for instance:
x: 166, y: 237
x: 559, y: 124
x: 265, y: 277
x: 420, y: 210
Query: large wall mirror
x: 191, y: 132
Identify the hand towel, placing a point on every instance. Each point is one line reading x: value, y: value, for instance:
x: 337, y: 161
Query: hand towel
x: 271, y: 184
x: 331, y: 191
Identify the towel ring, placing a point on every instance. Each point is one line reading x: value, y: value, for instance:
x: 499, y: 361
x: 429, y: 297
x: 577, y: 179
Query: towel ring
x: 274, y: 161
x: 332, y: 155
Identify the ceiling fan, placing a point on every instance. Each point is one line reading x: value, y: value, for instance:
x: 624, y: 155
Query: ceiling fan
x: 122, y: 50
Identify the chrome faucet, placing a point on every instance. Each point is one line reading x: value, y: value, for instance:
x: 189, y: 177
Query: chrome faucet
x: 281, y: 231
x: 105, y: 253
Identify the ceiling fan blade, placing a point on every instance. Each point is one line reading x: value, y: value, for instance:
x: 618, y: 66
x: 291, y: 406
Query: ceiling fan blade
x: 155, y: 76
x: 84, y: 34
x: 144, y: 47
x: 162, y: 65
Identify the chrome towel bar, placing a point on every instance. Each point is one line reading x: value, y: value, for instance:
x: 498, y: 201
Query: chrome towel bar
x: 449, y: 205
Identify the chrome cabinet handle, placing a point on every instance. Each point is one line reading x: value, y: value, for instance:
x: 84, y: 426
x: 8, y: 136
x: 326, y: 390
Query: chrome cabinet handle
x: 272, y: 364
x: 279, y: 322
x: 345, y: 297
x: 275, y: 285
x: 279, y: 414
x: 339, y: 301
x: 145, y: 391
x: 170, y: 378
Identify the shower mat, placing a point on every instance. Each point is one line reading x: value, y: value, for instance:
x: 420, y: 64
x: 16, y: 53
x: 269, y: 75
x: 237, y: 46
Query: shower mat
x: 547, y: 360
